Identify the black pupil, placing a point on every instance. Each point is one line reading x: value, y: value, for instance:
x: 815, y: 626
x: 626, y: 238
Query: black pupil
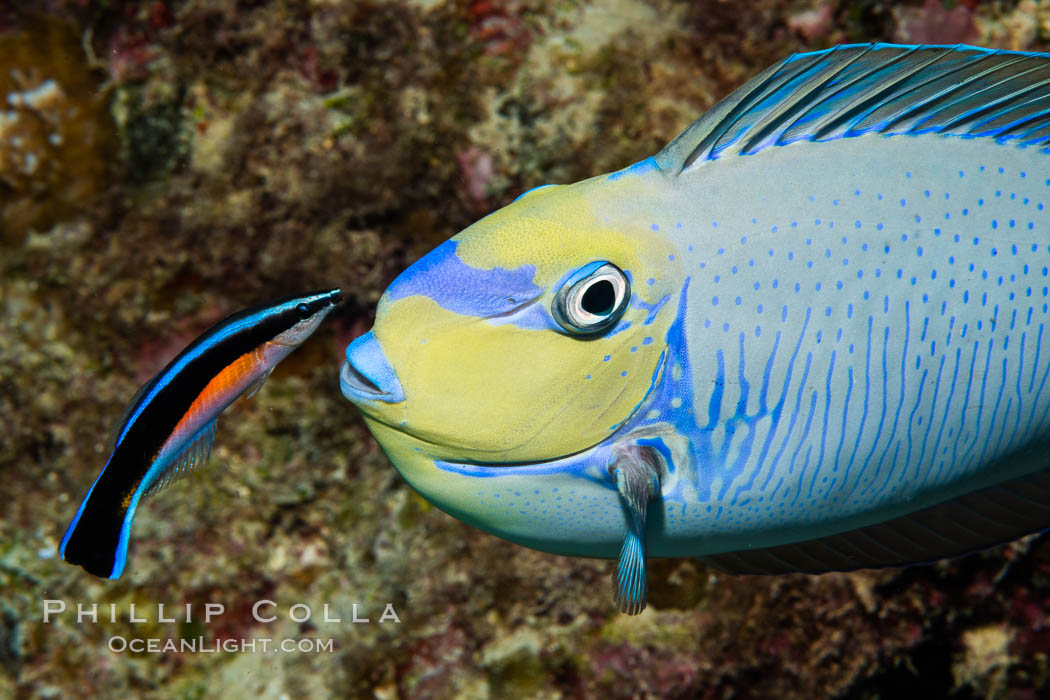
x: 303, y: 310
x: 599, y: 298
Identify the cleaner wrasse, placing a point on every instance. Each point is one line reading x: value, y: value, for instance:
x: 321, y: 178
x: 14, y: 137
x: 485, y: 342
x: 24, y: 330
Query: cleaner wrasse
x: 169, y: 427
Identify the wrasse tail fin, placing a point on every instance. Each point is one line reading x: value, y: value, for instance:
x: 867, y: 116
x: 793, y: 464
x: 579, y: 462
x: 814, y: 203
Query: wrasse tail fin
x: 637, y: 480
x: 97, y: 539
x: 977, y: 520
x: 195, y: 454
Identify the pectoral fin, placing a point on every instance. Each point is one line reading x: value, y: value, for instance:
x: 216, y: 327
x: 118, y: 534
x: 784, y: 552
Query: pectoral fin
x: 637, y: 480
x: 256, y: 384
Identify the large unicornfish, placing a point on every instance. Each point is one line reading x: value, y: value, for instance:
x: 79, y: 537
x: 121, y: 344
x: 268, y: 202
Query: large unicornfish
x: 169, y: 427
x: 807, y: 335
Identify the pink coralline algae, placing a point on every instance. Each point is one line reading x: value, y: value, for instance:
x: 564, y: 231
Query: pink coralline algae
x: 477, y: 170
x: 935, y: 24
x: 812, y: 24
x: 499, y: 26
x: 132, y: 45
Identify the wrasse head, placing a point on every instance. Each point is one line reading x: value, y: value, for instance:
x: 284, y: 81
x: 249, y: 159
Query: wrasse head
x: 305, y: 312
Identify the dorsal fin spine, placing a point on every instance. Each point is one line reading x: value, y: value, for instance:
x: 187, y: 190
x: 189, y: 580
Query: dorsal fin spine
x: 870, y: 103
x: 743, y: 104
x: 1027, y: 138
x: 832, y: 120
x: 893, y: 125
x: 957, y: 91
x: 769, y: 88
x: 751, y: 94
x: 963, y: 95
x: 997, y: 109
x: 769, y: 124
x: 1007, y: 132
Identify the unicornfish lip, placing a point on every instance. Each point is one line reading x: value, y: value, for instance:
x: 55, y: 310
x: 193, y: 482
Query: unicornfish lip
x: 367, y: 375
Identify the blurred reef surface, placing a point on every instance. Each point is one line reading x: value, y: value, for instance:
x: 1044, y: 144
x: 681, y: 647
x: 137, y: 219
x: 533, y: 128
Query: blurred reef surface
x: 165, y: 163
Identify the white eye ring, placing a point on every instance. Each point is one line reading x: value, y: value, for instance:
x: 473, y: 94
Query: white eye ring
x: 592, y: 300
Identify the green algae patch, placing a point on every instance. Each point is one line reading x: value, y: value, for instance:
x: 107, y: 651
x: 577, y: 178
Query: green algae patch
x: 267, y: 147
x: 514, y: 663
x: 651, y: 629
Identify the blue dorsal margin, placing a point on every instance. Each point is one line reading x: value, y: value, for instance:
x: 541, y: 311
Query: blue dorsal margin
x: 891, y: 89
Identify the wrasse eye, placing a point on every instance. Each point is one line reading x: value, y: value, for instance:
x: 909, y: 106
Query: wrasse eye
x: 592, y: 300
x: 303, y: 310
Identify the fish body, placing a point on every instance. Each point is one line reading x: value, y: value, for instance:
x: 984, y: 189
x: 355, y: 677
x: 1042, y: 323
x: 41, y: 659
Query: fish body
x: 832, y: 350
x: 169, y: 426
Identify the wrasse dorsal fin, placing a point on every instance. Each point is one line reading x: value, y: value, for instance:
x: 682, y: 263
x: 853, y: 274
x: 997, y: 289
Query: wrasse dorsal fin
x: 194, y: 454
x: 852, y: 90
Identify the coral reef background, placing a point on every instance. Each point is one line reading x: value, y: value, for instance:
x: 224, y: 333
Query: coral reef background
x: 164, y: 163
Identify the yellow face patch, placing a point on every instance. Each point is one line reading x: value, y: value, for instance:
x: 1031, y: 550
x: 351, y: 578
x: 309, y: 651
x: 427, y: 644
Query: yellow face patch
x: 487, y: 374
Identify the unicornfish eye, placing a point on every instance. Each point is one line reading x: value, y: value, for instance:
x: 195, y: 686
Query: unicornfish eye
x: 592, y: 299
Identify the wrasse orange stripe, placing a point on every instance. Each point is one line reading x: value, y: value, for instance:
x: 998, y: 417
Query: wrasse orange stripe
x: 176, y: 407
x: 222, y: 390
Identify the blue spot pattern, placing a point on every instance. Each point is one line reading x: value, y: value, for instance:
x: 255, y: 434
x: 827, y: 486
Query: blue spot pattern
x: 841, y: 351
x: 893, y: 373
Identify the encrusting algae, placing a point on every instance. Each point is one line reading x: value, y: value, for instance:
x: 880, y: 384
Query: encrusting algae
x: 57, y: 139
x: 227, y: 152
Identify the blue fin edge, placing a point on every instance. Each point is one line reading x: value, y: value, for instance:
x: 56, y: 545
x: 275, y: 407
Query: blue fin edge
x: 856, y: 80
x: 205, y: 434
x: 630, y: 585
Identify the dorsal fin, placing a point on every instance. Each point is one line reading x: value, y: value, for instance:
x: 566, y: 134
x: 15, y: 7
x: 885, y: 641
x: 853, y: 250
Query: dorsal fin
x: 890, y: 89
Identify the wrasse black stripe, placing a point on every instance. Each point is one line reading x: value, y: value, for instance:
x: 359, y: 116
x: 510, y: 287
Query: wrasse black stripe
x: 148, y: 444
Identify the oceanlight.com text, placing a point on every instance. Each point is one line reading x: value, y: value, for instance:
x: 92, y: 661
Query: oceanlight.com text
x: 200, y: 645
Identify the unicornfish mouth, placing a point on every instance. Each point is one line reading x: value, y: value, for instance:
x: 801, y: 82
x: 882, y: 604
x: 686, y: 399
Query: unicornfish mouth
x: 367, y: 375
x: 359, y: 383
